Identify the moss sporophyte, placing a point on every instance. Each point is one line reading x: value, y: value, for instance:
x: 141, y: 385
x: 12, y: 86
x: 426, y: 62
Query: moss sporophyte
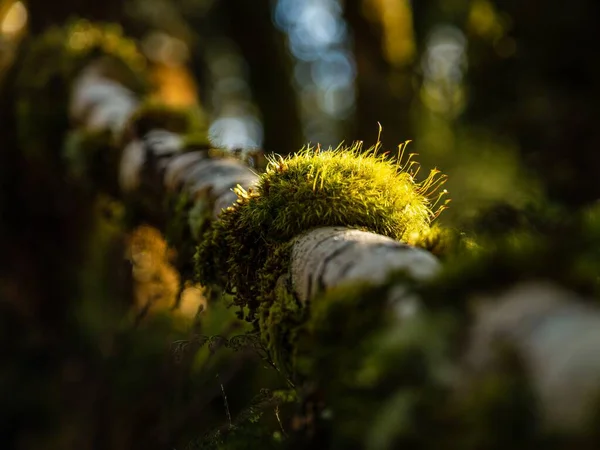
x: 247, y: 250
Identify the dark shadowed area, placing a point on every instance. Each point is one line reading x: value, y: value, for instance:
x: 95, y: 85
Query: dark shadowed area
x: 109, y: 341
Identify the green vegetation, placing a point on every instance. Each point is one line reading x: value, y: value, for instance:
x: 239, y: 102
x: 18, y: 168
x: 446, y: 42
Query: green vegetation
x: 48, y: 70
x: 313, y: 188
x: 100, y: 350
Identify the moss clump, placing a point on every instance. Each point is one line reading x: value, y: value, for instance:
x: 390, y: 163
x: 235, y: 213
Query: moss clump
x: 396, y: 385
x: 48, y: 69
x: 408, y: 384
x: 565, y: 253
x: 333, y: 319
x: 252, y: 428
x: 185, y: 121
x: 279, y: 322
x: 342, y: 187
x: 382, y: 380
x: 186, y: 218
x: 92, y: 159
x: 150, y: 200
x: 498, y: 408
x: 445, y: 242
x: 403, y: 382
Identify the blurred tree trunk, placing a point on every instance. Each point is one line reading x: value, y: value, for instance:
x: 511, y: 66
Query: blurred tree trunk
x: 539, y: 84
x: 46, y: 218
x: 384, y: 93
x: 50, y: 217
x: 250, y: 26
x: 41, y: 222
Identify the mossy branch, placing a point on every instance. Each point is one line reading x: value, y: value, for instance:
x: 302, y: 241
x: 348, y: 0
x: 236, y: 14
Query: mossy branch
x: 322, y: 253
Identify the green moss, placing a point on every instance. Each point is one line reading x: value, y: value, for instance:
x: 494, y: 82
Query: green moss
x: 178, y: 233
x: 199, y: 218
x: 185, y: 121
x: 279, y: 322
x: 185, y: 219
x: 445, y: 242
x: 92, y: 158
x: 566, y: 254
x: 253, y: 428
x: 334, y: 320
x: 499, y: 409
x: 396, y: 388
x: 384, y: 380
x: 341, y: 187
x: 196, y: 140
x: 105, y: 286
x: 50, y: 64
x: 410, y: 387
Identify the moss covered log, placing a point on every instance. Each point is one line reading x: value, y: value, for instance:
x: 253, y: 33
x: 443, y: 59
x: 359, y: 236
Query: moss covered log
x: 346, y: 187
x: 256, y: 242
x: 330, y: 256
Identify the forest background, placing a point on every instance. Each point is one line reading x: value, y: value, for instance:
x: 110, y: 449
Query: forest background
x: 501, y: 95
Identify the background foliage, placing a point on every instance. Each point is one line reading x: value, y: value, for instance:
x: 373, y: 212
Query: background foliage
x: 100, y: 350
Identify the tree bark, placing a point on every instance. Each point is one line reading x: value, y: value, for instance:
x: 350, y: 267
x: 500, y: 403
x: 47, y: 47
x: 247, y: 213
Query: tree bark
x: 249, y: 25
x: 324, y: 259
x: 556, y: 333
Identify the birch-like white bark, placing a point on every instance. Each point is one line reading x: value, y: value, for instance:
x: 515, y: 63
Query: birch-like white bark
x: 177, y: 166
x: 101, y: 103
x: 327, y: 257
x: 132, y: 161
x: 558, y: 335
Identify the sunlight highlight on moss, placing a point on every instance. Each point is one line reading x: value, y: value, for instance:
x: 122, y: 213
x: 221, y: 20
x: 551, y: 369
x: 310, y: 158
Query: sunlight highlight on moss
x: 346, y: 186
